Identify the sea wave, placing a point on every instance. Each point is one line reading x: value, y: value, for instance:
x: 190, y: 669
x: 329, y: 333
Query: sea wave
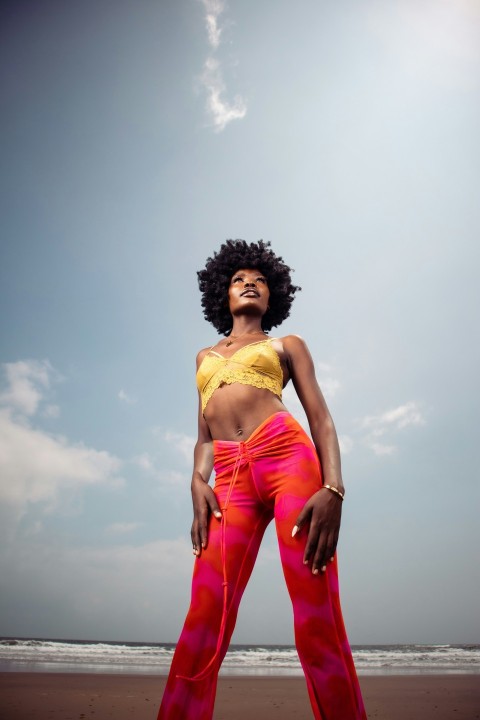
x: 83, y: 656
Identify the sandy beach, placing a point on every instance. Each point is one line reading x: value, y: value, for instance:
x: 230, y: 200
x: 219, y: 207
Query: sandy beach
x: 68, y: 696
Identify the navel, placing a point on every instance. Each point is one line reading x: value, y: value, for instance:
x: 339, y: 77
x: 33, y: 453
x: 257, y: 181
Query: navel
x: 239, y: 431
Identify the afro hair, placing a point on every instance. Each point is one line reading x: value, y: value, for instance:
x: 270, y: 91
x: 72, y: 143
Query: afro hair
x: 214, y: 281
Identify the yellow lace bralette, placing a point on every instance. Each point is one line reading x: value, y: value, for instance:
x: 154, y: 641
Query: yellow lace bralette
x: 255, y: 364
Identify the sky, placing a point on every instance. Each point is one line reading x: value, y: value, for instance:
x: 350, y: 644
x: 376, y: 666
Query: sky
x: 139, y: 136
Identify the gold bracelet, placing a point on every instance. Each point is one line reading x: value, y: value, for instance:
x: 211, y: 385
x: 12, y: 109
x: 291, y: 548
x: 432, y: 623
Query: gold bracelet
x: 336, y: 491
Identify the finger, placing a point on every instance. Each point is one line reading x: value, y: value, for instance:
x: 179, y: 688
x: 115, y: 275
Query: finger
x: 214, y: 506
x: 320, y: 557
x: 210, y: 506
x: 201, y: 520
x: 203, y: 528
x: 312, y: 543
x: 301, y: 519
x: 196, y: 541
x: 331, y: 545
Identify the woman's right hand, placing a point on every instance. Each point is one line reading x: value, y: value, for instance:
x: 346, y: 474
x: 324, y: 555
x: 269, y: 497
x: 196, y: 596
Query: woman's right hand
x: 204, y: 503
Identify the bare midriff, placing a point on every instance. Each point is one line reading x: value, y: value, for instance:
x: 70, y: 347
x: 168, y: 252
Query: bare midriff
x: 234, y: 411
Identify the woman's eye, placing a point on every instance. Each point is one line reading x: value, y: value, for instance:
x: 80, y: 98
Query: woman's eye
x: 235, y: 279
x: 261, y: 279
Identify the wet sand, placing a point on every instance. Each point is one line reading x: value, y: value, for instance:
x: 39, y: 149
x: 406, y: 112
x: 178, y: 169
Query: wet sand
x: 68, y: 696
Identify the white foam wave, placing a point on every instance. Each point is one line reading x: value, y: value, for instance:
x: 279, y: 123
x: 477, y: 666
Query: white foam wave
x: 156, y: 658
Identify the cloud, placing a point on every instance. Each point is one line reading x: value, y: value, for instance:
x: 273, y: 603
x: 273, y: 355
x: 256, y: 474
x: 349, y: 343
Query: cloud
x: 154, y: 466
x: 389, y: 422
x: 26, y: 379
x: 346, y: 444
x: 166, y: 465
x: 51, y: 411
x: 380, y: 449
x: 121, y: 528
x: 293, y: 404
x: 173, y: 479
x: 213, y: 10
x: 184, y: 444
x: 328, y: 384
x: 399, y: 417
x: 220, y: 110
x: 124, y: 397
x: 35, y: 466
x: 145, y: 462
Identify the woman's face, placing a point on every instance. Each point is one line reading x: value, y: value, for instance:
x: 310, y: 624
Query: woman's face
x: 248, y: 292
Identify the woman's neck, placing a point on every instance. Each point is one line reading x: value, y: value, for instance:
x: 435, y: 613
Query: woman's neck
x: 245, y: 329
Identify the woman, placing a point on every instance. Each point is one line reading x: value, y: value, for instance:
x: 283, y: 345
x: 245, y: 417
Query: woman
x: 266, y: 467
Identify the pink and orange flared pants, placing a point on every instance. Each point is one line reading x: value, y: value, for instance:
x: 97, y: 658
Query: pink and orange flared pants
x: 270, y: 475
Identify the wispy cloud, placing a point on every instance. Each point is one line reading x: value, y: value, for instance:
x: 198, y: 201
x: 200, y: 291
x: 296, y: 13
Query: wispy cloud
x: 154, y: 465
x: 388, y: 423
x: 381, y: 449
x: 145, y: 462
x: 122, y: 528
x: 346, y: 444
x: 51, y: 411
x: 213, y: 10
x: 399, y: 417
x: 184, y: 444
x: 126, y: 397
x: 221, y: 111
x: 329, y: 384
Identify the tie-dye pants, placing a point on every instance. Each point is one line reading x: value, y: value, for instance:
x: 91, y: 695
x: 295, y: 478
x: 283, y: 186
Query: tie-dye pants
x: 270, y: 475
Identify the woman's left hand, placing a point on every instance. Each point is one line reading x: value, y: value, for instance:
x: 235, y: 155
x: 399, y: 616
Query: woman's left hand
x: 323, y: 511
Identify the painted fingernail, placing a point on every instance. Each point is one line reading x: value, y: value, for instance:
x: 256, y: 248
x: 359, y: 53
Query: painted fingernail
x: 295, y: 530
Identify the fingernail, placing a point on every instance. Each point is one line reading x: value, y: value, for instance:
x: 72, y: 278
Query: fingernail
x: 217, y: 514
x: 332, y: 559
x: 305, y: 562
x: 315, y: 572
x: 295, y: 530
x: 324, y: 568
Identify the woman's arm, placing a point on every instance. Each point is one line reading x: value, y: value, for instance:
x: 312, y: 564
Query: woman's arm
x: 324, y: 509
x: 203, y: 497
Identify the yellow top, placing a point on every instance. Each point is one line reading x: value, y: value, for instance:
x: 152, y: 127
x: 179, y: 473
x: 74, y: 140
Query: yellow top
x: 255, y: 364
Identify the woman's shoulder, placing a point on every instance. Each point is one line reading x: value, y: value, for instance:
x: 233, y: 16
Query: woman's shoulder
x: 293, y: 342
x: 201, y: 353
x: 292, y: 348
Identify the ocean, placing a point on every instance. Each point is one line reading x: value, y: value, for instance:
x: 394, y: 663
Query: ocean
x: 40, y: 655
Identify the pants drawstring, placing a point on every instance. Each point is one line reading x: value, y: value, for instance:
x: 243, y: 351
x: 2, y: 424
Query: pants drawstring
x: 242, y: 456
